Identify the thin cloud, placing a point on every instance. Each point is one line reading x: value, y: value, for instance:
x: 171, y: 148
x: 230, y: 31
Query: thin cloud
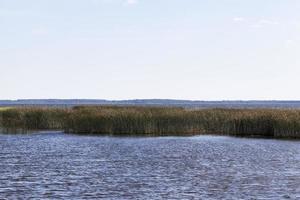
x: 289, y: 43
x: 256, y: 26
x: 264, y: 22
x: 268, y: 22
x: 131, y: 2
x: 238, y: 19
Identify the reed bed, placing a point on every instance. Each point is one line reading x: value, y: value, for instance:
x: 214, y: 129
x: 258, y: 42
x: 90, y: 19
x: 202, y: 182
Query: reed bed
x: 155, y: 121
x: 32, y: 118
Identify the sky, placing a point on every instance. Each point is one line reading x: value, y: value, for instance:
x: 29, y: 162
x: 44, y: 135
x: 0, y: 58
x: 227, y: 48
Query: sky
x: 157, y: 49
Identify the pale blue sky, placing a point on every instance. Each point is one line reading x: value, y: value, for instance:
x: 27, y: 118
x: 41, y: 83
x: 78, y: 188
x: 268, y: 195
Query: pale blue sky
x: 128, y: 49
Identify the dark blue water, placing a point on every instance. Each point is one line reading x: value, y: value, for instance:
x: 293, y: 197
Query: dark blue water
x: 60, y: 166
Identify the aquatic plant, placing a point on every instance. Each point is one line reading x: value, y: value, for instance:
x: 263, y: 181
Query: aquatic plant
x: 31, y: 118
x: 115, y: 120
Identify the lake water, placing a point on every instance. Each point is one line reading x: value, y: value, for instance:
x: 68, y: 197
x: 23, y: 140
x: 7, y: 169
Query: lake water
x: 61, y: 166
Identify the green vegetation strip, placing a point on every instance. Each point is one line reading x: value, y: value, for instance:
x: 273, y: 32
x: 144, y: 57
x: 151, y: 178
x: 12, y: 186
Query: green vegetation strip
x: 4, y: 108
x: 155, y: 121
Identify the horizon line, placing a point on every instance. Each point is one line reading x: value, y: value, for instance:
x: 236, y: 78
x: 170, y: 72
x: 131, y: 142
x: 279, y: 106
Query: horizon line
x: 147, y: 99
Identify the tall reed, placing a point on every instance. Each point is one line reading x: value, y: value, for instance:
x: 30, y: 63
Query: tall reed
x: 32, y: 118
x: 156, y: 121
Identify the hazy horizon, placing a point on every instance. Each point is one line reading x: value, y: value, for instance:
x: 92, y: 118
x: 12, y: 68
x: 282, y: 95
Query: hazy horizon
x: 142, y: 49
x: 152, y: 99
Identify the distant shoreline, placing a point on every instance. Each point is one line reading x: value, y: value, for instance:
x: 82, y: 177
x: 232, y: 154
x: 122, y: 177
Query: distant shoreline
x: 63, y: 103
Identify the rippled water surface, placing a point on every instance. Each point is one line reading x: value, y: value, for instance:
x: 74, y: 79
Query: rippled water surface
x: 60, y: 166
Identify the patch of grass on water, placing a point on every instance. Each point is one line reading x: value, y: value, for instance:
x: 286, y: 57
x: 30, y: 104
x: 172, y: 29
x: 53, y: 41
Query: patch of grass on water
x: 155, y: 121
